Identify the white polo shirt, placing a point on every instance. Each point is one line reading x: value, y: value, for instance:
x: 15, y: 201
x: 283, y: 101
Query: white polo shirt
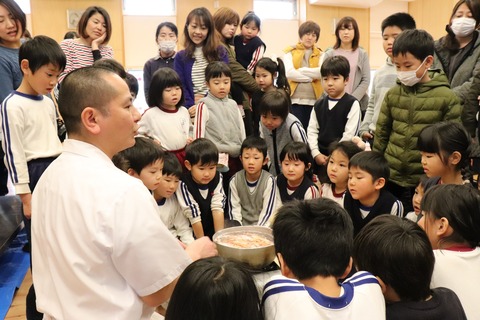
x: 98, y: 242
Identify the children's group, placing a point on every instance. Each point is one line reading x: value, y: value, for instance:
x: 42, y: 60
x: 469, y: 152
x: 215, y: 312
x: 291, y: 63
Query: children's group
x: 372, y: 196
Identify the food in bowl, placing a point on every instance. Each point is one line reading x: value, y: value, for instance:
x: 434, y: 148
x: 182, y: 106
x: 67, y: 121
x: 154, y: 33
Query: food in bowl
x: 244, y: 240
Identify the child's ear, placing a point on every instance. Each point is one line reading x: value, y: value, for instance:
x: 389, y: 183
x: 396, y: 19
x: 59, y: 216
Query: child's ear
x: 443, y: 228
x: 188, y: 165
x: 379, y: 183
x: 286, y: 272
x: 348, y: 269
x: 382, y: 284
x: 265, y: 161
x: 132, y: 172
x: 455, y: 158
x: 308, y: 166
x: 24, y: 66
x: 428, y: 61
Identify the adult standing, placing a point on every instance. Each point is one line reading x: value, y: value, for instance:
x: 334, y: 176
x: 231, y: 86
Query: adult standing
x: 12, y: 26
x: 95, y: 30
x: 166, y: 37
x: 458, y: 55
x: 302, y: 66
x: 347, y: 34
x: 101, y: 254
x: 243, y: 84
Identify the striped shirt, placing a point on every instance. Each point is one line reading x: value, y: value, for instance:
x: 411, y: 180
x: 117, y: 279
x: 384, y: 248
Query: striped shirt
x: 198, y: 72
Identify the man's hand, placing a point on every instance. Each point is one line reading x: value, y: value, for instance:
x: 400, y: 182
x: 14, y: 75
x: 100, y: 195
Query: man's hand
x: 201, y: 248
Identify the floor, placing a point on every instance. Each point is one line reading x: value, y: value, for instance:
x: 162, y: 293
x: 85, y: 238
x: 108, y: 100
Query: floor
x: 17, y: 309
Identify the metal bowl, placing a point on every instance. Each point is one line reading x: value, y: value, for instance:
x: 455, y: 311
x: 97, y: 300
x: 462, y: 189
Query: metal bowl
x: 255, y: 258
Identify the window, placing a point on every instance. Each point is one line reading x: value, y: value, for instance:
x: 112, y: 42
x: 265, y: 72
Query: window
x: 283, y: 9
x: 149, y: 7
x: 24, y: 5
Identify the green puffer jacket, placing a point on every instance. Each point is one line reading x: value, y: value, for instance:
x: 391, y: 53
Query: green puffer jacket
x: 405, y: 112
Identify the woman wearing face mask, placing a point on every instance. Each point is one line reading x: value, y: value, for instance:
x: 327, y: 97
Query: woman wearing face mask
x: 166, y: 38
x: 458, y: 55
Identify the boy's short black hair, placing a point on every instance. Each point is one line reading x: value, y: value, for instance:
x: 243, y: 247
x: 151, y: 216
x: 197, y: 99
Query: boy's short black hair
x: 417, y: 42
x: 398, y: 251
x: 372, y: 162
x: 216, y: 69
x: 144, y: 152
x: 171, y: 166
x: 315, y: 237
x: 400, y: 19
x: 335, y: 66
x: 112, y: 65
x: 201, y: 151
x: 41, y: 51
x: 132, y: 83
x: 276, y: 102
x: 253, y: 142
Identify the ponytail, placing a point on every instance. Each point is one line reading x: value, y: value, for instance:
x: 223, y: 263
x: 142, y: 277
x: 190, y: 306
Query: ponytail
x: 282, y: 81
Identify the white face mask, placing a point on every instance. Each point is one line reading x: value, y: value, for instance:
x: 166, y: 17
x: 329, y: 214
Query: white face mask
x: 463, y: 27
x: 167, y: 46
x: 409, y: 78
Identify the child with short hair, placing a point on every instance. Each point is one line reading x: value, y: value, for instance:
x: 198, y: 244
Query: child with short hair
x: 143, y: 161
x: 366, y: 197
x: 167, y: 120
x: 397, y: 251
x: 336, y: 115
x: 451, y: 219
x: 253, y: 195
x: 30, y: 139
x: 421, y: 98
x: 420, y: 190
x: 278, y: 126
x: 337, y: 170
x: 249, y: 48
x: 218, y: 118
x: 201, y: 194
x: 214, y: 289
x: 295, y: 181
x: 165, y: 195
x: 386, y: 76
x: 313, y: 241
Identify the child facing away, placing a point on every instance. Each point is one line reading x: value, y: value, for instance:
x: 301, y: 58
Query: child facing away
x: 366, y: 197
x: 397, y: 251
x: 269, y: 75
x: 167, y: 120
x: 313, y: 241
x: 253, y: 195
x: 295, y: 181
x: 386, y: 76
x: 201, y: 195
x: 218, y: 118
x: 170, y: 211
x: 420, y: 97
x: 337, y: 170
x: 451, y: 219
x: 278, y: 126
x: 249, y: 48
x: 336, y: 115
x: 214, y: 289
x: 445, y: 149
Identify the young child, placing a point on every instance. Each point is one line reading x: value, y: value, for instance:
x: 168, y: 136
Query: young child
x: 167, y: 120
x: 347, y: 36
x: 169, y: 208
x: 214, y: 289
x: 313, y: 241
x: 398, y: 253
x: 249, y: 48
x: 201, y: 194
x: 295, y: 181
x: 420, y: 190
x: 337, y: 170
x: 421, y: 98
x: 278, y: 127
x: 445, y: 148
x: 218, y: 118
x: 451, y: 219
x: 253, y: 196
x: 366, y: 197
x: 269, y: 75
x: 386, y: 76
x: 336, y: 116
x: 143, y: 161
x: 29, y: 124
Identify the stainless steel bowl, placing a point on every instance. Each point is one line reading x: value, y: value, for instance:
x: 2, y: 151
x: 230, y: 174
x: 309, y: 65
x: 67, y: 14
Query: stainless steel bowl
x: 255, y: 258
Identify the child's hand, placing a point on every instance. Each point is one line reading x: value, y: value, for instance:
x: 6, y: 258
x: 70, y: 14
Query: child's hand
x: 189, y: 140
x: 192, y: 111
x: 321, y: 159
